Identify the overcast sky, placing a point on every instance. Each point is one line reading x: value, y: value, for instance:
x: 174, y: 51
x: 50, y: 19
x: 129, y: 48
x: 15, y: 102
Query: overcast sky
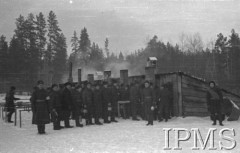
x: 129, y: 23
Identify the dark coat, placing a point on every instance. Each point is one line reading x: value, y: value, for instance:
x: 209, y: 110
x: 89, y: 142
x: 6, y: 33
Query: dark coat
x: 97, y: 102
x: 40, y: 107
x: 124, y: 94
x: 55, y: 100
x: 66, y: 99
x: 87, y: 97
x: 165, y: 96
x: 55, y: 103
x: 77, y: 103
x: 214, y: 100
x: 106, y: 96
x: 10, y: 101
x: 67, y: 103
x: 134, y: 94
x: 148, y: 98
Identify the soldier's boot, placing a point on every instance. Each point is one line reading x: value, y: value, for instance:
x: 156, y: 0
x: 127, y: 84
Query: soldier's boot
x: 43, y: 129
x: 113, y: 119
x: 67, y: 124
x: 220, y: 119
x: 56, y: 125
x: 9, y: 116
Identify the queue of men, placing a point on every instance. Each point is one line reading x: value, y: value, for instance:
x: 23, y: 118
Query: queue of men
x: 95, y: 101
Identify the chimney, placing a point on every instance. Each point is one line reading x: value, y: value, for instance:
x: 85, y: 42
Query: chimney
x: 124, y: 77
x: 79, y: 76
x: 70, y: 78
x: 107, y: 75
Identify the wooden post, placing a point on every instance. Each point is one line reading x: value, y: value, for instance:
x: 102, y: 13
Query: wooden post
x: 124, y: 77
x: 180, y: 102
x: 79, y: 76
x: 70, y: 78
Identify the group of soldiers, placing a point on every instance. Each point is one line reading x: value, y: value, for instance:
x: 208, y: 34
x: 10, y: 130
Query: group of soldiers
x: 95, y: 101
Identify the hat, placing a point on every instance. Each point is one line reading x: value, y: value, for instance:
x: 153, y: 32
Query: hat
x: 40, y: 82
x: 212, y: 82
x: 54, y: 85
x: 12, y: 88
x: 147, y: 82
x: 78, y: 86
x: 68, y: 83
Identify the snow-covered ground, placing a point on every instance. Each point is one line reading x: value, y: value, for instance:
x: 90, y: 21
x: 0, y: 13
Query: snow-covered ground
x: 126, y: 136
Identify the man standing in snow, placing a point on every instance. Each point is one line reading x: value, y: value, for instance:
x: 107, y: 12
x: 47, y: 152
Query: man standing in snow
x: 40, y: 107
x: 114, y: 100
x: 214, y: 101
x: 164, y: 100
x: 56, y: 107
x: 88, y: 103
x: 97, y: 104
x: 67, y: 103
x: 77, y: 104
x: 148, y: 102
x: 106, y: 95
x: 134, y: 99
x: 10, y: 103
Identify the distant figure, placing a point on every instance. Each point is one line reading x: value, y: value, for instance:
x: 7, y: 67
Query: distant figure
x: 40, y: 107
x: 67, y: 104
x: 106, y: 95
x: 148, y: 102
x: 97, y: 104
x: 77, y: 105
x: 10, y: 103
x: 134, y: 100
x: 88, y: 103
x: 164, y: 101
x: 56, y: 107
x: 214, y: 101
x: 114, y: 97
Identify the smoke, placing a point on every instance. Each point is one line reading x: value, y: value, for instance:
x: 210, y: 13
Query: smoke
x: 114, y: 67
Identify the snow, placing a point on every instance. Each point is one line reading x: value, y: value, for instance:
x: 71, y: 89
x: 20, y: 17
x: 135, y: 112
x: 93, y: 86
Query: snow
x: 126, y: 136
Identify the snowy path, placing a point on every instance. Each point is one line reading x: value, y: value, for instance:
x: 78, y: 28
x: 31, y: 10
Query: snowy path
x: 124, y: 137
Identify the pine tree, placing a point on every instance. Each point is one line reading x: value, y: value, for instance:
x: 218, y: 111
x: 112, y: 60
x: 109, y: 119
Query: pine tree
x: 53, y: 34
x: 3, y: 55
x: 84, y: 46
x: 60, y: 58
x: 121, y: 57
x: 41, y: 33
x: 106, y: 47
x: 75, y: 42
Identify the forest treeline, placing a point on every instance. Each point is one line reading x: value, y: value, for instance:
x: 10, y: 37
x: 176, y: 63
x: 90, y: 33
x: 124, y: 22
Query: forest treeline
x: 39, y: 46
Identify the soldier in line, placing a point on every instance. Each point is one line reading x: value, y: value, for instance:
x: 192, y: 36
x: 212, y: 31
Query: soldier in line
x: 114, y: 97
x: 10, y: 103
x: 88, y: 103
x: 56, y: 107
x: 148, y: 102
x: 214, y: 101
x: 106, y: 95
x: 134, y: 100
x: 77, y: 105
x: 164, y: 97
x: 124, y: 96
x: 97, y: 104
x: 67, y: 104
x: 40, y: 107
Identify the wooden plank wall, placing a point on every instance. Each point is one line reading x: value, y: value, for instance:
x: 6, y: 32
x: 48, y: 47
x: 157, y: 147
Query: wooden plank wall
x: 194, y: 97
